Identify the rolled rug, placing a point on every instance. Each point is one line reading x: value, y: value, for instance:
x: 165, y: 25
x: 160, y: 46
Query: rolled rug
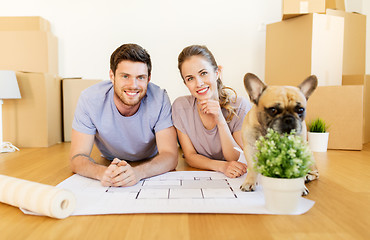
x: 36, y: 197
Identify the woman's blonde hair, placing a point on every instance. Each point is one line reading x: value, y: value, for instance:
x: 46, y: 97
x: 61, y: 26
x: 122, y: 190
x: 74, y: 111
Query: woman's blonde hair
x: 224, y: 96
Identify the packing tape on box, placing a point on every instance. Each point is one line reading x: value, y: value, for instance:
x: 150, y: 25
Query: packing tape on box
x: 36, y: 197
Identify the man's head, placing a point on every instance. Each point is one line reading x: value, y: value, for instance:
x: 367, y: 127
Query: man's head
x: 130, y: 73
x: 131, y: 52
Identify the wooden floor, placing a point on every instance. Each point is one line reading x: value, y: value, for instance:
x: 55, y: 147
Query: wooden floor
x: 341, y: 211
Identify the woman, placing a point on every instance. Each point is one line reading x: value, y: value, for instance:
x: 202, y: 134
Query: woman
x: 208, y: 122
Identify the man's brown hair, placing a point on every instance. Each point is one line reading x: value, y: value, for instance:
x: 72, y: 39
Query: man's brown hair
x: 131, y: 52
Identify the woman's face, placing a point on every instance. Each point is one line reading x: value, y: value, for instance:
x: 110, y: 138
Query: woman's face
x: 200, y: 77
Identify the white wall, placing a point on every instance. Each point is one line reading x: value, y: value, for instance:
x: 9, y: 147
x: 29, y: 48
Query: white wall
x: 354, y: 5
x: 90, y: 30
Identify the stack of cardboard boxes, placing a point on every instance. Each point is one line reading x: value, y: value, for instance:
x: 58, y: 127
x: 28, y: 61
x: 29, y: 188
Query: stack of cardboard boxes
x: 72, y: 88
x: 328, y: 43
x: 29, y: 48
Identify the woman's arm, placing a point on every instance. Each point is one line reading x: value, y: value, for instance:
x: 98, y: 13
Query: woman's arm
x: 228, y: 140
x: 230, y: 169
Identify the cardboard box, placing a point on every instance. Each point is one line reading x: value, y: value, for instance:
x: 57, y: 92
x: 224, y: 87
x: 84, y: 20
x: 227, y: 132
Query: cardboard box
x: 294, y: 8
x: 302, y: 46
x: 29, y: 51
x: 354, y: 44
x: 365, y: 82
x: 342, y: 109
x: 72, y: 89
x: 34, y: 120
x: 24, y: 24
x: 335, y: 4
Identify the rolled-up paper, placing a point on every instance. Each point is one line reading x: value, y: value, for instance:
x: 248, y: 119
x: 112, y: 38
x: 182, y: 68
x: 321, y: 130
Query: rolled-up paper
x: 36, y: 197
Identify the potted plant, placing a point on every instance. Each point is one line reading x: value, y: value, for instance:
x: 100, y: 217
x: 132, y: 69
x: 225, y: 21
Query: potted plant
x: 317, y: 135
x: 283, y: 161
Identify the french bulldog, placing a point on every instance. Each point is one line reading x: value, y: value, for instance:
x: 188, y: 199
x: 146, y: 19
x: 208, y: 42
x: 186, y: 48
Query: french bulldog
x: 281, y: 108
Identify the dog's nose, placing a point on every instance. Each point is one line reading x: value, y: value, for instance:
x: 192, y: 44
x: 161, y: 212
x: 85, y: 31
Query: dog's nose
x: 288, y: 120
x: 288, y: 124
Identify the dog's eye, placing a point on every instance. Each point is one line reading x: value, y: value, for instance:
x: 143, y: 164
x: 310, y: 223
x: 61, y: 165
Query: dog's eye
x: 272, y: 111
x: 300, y: 111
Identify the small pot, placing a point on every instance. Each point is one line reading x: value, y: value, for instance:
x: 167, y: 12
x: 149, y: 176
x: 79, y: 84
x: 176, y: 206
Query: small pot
x: 318, y: 142
x: 282, y: 195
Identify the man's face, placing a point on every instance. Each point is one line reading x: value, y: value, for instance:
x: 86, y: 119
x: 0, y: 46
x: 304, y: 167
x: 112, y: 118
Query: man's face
x: 130, y: 81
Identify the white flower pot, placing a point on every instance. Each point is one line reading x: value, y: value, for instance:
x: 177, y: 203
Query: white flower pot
x: 281, y: 194
x: 318, y: 142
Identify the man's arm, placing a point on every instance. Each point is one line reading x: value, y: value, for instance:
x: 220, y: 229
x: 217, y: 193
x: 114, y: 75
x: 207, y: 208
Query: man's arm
x: 167, y: 157
x: 81, y: 162
x: 166, y: 160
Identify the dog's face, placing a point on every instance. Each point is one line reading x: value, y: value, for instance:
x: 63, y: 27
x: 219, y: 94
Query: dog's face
x: 281, y: 108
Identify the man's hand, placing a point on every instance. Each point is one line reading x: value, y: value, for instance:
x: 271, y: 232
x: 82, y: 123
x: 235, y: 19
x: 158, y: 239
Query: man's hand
x: 234, y: 169
x: 120, y: 174
x: 106, y: 180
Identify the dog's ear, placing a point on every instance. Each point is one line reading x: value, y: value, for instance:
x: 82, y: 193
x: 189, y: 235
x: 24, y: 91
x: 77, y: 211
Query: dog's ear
x: 308, y: 86
x: 254, y: 87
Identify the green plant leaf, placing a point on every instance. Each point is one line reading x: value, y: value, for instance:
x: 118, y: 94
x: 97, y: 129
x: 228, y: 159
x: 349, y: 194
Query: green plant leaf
x: 282, y: 155
x: 317, y: 125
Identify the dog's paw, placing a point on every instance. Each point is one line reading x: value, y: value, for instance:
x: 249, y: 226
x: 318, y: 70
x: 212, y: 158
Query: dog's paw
x: 248, y: 187
x: 305, y: 191
x: 312, y: 175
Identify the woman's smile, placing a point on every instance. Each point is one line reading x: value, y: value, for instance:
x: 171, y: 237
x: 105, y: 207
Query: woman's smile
x: 203, y: 90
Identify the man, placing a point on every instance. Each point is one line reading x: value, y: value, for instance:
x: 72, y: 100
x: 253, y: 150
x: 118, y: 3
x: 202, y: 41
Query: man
x: 129, y: 118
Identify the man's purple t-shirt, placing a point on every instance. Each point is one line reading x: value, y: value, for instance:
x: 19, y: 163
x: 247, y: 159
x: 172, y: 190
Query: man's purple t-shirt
x: 128, y: 138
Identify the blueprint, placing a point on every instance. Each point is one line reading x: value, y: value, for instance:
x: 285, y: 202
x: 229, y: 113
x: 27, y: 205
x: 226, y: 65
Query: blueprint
x: 172, y: 192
